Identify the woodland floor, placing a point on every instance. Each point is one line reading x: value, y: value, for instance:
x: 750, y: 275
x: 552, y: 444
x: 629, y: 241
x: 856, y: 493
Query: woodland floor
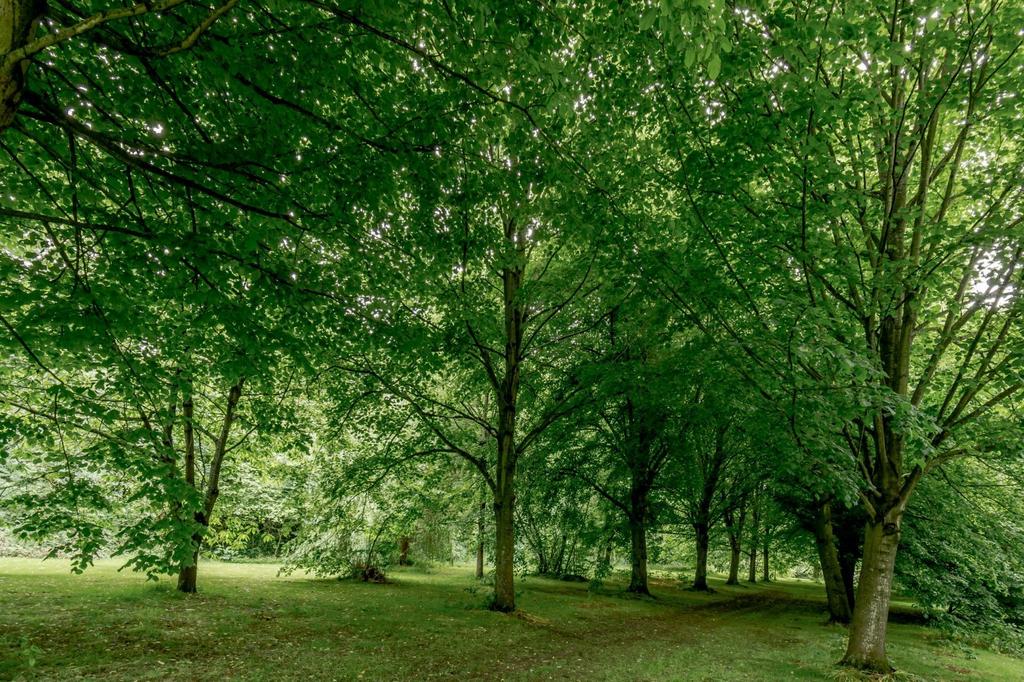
x: 248, y: 623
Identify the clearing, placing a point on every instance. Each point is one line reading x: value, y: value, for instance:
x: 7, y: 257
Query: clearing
x: 249, y: 623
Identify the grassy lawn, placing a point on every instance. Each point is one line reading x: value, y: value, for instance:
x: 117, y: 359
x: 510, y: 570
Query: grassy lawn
x: 248, y: 623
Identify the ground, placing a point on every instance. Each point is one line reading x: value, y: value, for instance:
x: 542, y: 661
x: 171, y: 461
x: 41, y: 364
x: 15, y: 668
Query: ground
x: 248, y: 623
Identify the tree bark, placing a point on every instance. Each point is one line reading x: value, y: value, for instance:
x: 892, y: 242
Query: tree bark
x: 754, y: 536
x: 712, y: 470
x: 508, y: 393
x: 403, y: 550
x: 638, y: 557
x: 734, y: 563
x: 700, y: 578
x: 831, y: 571
x: 187, y: 573
x: 18, y: 21
x: 734, y: 529
x: 765, y: 573
x: 866, y: 648
x: 480, y: 541
x: 504, y: 551
x: 638, y: 533
x: 187, y: 576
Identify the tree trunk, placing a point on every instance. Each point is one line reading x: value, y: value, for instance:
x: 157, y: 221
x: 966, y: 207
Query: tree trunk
x: 403, y: 550
x: 848, y: 535
x: 638, y: 532
x: 18, y: 21
x: 507, y: 394
x: 700, y: 578
x: 755, y: 527
x: 866, y: 649
x: 734, y: 529
x: 188, y: 574
x: 480, y: 541
x: 638, y: 557
x: 765, y: 574
x: 831, y: 571
x: 734, y: 563
x: 504, y: 552
x: 504, y: 514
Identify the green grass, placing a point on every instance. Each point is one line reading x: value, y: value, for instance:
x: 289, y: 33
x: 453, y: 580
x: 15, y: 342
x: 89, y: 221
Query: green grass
x: 248, y: 623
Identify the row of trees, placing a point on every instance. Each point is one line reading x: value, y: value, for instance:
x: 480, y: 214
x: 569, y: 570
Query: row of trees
x: 686, y: 265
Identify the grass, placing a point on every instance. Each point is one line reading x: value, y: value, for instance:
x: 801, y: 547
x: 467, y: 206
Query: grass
x: 248, y: 623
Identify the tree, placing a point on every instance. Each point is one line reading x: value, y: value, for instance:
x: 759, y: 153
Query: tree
x: 870, y: 245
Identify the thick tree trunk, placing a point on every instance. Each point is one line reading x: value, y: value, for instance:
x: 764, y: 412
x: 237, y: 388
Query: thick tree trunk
x: 734, y: 563
x: 700, y: 578
x: 638, y: 557
x: 866, y: 648
x: 188, y: 574
x: 504, y: 552
x: 638, y: 533
x: 504, y: 514
x: 831, y: 571
x: 752, y: 569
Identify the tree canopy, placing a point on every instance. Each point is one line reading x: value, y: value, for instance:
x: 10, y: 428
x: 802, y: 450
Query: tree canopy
x: 550, y: 284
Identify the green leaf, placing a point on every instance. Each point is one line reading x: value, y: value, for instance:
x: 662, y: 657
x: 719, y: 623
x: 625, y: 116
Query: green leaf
x: 714, y: 66
x: 648, y: 18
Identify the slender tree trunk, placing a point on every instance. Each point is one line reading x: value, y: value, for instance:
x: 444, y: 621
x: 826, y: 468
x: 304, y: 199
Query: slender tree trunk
x: 754, y: 539
x: 734, y: 529
x: 848, y: 535
x: 542, y: 562
x: 765, y: 573
x: 700, y: 579
x: 828, y: 558
x: 403, y: 550
x: 702, y: 520
x: 187, y: 573
x: 480, y: 540
x: 866, y: 648
x: 508, y: 393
